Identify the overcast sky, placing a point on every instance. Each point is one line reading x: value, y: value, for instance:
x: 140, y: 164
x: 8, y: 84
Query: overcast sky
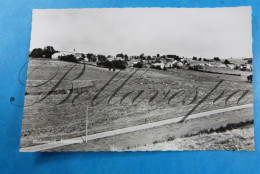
x: 201, y: 32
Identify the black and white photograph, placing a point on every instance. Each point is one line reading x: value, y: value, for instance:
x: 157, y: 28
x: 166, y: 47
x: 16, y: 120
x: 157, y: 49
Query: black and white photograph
x: 138, y: 79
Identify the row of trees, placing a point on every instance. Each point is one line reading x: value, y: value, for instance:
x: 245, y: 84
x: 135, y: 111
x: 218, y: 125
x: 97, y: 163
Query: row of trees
x: 215, y: 59
x: 201, y: 59
x: 115, y: 64
x: 47, y: 52
x: 143, y: 57
x: 68, y: 58
x: 158, y: 67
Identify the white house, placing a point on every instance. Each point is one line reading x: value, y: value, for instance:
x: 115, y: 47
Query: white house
x: 79, y: 55
x: 231, y: 66
x: 120, y: 58
x: 162, y: 65
x: 180, y: 64
x: 55, y: 56
x: 111, y: 58
x: 249, y: 67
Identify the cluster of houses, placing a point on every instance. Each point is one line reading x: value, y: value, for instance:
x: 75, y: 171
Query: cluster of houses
x: 245, y: 66
x: 165, y: 61
x: 56, y: 56
x: 162, y: 62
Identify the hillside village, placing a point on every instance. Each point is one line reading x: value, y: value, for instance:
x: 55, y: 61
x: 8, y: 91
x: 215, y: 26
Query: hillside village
x: 160, y: 62
x: 176, y: 84
x: 137, y: 79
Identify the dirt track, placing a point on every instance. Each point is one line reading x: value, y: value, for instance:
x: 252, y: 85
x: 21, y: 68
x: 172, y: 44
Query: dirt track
x: 129, y: 129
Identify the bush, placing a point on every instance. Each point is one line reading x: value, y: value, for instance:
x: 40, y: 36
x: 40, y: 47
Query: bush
x: 48, y: 51
x: 196, y: 67
x: 250, y: 78
x: 91, y: 57
x: 120, y: 55
x: 68, y: 58
x: 236, y: 67
x: 105, y: 63
x: 101, y: 57
x: 138, y: 65
x: 156, y: 67
x: 117, y: 64
x: 216, y: 58
x: 36, y: 53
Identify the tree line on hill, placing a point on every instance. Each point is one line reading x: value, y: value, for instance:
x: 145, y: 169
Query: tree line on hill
x: 46, y: 52
x: 121, y: 63
x: 114, y: 64
x: 217, y: 59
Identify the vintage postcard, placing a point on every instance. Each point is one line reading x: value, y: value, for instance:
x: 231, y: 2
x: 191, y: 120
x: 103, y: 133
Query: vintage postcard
x: 138, y: 79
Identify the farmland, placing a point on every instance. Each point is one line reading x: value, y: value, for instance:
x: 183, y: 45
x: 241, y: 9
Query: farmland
x: 149, y: 95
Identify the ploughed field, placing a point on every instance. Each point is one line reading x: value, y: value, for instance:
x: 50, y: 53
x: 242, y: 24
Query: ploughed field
x: 125, y: 98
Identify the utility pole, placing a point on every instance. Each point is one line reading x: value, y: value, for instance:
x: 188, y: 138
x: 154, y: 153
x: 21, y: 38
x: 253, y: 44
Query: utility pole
x: 86, y: 140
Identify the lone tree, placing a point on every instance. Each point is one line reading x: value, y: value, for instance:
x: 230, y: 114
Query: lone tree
x: 216, y: 58
x: 226, y: 62
x: 36, y: 53
x: 142, y: 56
x: 91, y: 57
x: 250, y: 78
x: 115, y: 64
x: 48, y: 51
x: 126, y: 57
x: 101, y: 57
x: 119, y: 64
x: 138, y: 65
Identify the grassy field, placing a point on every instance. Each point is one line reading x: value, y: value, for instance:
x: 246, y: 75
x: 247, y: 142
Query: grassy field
x: 236, y: 139
x: 48, y: 120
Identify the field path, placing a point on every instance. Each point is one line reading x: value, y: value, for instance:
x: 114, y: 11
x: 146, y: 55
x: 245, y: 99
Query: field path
x: 81, y: 139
